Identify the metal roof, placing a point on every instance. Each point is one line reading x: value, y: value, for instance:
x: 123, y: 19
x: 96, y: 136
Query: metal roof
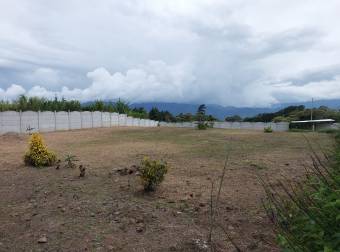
x: 315, y: 121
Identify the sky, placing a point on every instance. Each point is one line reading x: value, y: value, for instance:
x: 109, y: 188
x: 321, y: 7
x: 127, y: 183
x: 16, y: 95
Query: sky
x: 232, y: 53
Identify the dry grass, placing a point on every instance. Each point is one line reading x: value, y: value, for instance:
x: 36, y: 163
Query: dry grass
x: 105, y: 211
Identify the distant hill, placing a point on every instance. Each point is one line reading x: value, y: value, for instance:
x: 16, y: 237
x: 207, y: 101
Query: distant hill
x: 215, y: 110
x: 334, y: 104
x: 221, y: 112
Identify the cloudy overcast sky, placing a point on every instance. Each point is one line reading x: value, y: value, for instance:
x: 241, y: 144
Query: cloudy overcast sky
x: 235, y: 52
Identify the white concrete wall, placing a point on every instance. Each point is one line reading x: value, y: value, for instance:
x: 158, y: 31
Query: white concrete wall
x: 97, y: 119
x: 282, y: 126
x: 62, y: 120
x: 136, y: 122
x: 12, y: 121
x: 114, y: 119
x: 75, y: 120
x: 122, y: 119
x: 129, y: 121
x: 30, y: 120
x: 46, y: 121
x: 106, y: 119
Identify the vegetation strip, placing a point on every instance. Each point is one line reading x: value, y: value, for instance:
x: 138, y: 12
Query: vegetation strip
x: 307, y: 215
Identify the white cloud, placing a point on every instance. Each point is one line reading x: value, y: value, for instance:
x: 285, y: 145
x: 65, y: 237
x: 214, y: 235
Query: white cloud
x: 322, y: 90
x: 213, y: 51
x: 11, y: 92
x: 44, y: 76
x: 153, y: 81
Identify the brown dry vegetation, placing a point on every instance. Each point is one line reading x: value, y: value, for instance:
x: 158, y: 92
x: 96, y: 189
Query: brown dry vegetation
x: 108, y: 212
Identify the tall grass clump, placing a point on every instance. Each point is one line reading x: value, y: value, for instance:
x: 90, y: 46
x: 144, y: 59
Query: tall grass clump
x: 306, y: 215
x: 38, y: 155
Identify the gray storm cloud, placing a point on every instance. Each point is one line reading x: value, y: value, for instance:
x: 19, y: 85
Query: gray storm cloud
x: 237, y: 52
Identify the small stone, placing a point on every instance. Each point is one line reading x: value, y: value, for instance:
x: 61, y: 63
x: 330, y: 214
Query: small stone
x: 92, y: 214
x: 202, y: 204
x: 42, y: 239
x: 139, y: 229
x: 252, y: 246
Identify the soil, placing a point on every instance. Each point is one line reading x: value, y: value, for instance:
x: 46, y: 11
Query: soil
x: 49, y: 209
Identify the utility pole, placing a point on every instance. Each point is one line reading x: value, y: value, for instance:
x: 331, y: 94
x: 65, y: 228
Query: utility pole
x: 311, y: 115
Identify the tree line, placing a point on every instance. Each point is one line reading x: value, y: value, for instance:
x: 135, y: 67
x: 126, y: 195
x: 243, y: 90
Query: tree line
x: 291, y: 113
x: 24, y: 103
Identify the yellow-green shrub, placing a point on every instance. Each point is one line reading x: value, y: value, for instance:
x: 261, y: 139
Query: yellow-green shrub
x: 268, y: 129
x: 152, y: 173
x: 38, y: 154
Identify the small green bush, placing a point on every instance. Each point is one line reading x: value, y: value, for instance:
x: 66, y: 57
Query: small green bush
x: 152, y: 173
x: 202, y: 126
x: 268, y: 129
x: 38, y: 155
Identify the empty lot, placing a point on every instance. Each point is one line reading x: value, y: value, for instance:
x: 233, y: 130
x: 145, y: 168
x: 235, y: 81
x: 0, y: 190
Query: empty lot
x: 107, y: 211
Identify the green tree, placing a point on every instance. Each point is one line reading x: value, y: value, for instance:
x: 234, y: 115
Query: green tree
x: 121, y: 107
x: 234, y: 118
x: 200, y: 117
x: 154, y: 114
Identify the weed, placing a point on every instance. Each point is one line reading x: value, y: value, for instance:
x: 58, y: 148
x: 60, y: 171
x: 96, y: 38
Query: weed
x: 70, y: 161
x: 214, y: 210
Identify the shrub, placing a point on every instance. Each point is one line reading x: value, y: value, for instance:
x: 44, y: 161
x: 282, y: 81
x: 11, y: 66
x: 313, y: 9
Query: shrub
x: 152, y: 173
x: 38, y: 155
x: 307, y: 214
x: 268, y: 129
x: 202, y: 126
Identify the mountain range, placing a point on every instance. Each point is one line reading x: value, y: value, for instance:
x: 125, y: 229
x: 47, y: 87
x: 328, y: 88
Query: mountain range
x: 221, y: 112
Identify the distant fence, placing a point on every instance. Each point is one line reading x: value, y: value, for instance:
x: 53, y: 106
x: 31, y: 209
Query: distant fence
x: 282, y: 126
x: 21, y: 122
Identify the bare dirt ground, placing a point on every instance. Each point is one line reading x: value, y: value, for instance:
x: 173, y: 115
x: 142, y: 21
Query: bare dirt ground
x: 106, y: 211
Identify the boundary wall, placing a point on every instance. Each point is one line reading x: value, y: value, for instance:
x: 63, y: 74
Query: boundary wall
x: 46, y: 121
x: 282, y: 126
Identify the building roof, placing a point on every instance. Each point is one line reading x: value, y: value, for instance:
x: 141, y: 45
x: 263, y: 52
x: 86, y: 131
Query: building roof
x: 315, y: 121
